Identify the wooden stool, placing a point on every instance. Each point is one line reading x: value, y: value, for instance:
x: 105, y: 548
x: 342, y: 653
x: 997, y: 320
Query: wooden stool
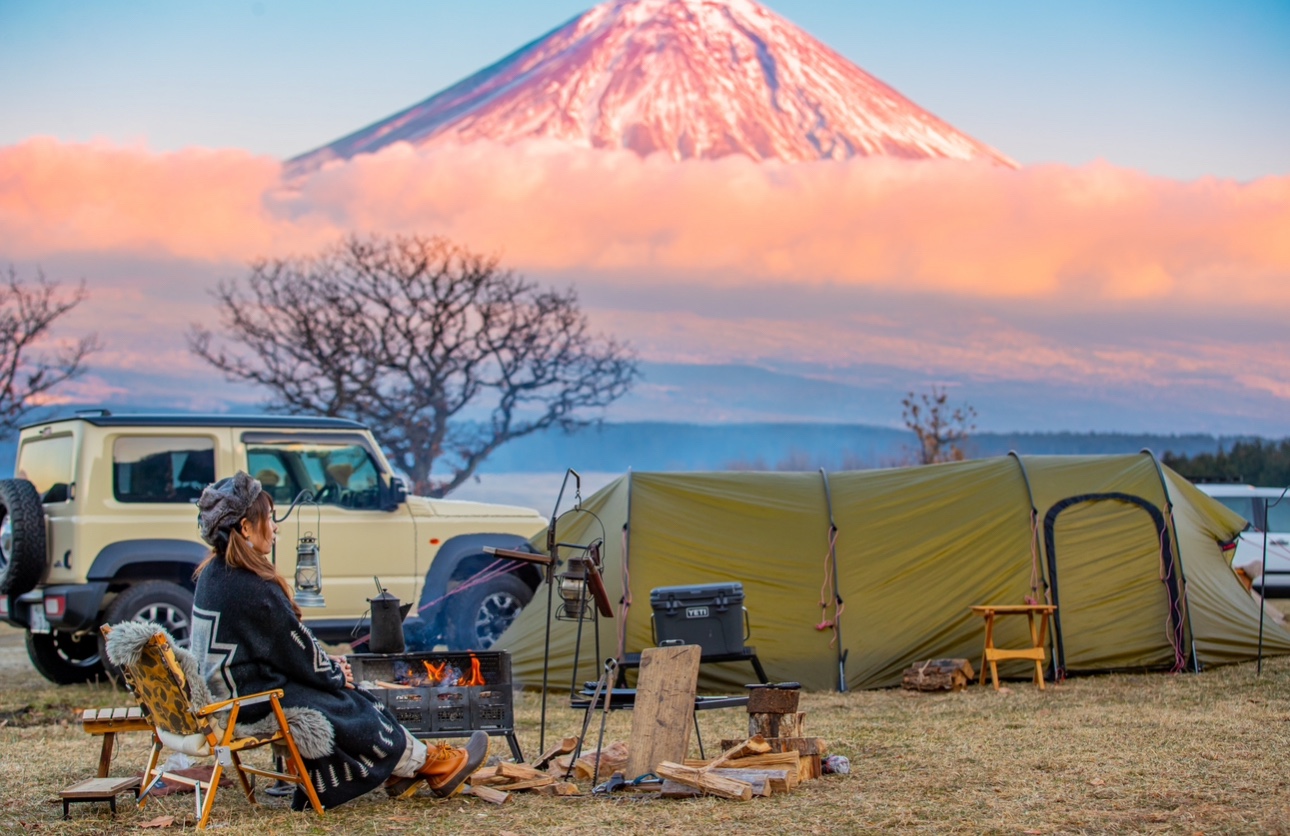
x: 98, y: 789
x: 993, y: 655
x: 109, y: 721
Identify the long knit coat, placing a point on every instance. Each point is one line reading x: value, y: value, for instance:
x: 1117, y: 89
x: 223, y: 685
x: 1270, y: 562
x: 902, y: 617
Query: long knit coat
x: 247, y: 639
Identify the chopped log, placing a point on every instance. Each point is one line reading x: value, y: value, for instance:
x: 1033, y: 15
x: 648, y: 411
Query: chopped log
x: 564, y: 747
x: 938, y: 675
x: 612, y: 759
x: 708, y: 782
x: 530, y: 784
x: 788, y: 762
x: 560, y: 788
x: 755, y: 745
x: 489, y: 794
x: 663, y: 712
x: 770, y: 760
x: 761, y: 785
x: 519, y: 771
x: 810, y: 749
x: 773, y: 700
x: 770, y: 725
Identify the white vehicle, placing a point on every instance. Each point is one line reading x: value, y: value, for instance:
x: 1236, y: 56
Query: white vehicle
x: 1251, y: 502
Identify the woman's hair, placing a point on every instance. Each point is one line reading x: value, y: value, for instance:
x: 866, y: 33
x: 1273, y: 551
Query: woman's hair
x: 238, y: 553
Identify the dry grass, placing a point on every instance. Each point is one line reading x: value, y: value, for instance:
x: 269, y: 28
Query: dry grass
x: 1149, y: 753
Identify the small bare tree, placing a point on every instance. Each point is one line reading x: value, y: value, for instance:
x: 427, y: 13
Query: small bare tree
x: 27, y: 310
x: 941, y: 430
x: 445, y: 355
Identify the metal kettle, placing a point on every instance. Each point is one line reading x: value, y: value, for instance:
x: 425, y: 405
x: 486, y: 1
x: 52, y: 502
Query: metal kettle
x: 387, y: 622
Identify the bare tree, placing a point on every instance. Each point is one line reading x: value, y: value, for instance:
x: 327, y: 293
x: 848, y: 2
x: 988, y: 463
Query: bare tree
x: 941, y: 430
x: 445, y: 355
x: 27, y: 310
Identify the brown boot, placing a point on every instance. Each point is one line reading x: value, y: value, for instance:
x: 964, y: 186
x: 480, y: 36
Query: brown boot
x: 446, y: 768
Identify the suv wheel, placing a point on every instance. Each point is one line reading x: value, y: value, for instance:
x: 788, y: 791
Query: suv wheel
x: 161, y: 602
x: 65, y: 658
x: 484, y: 612
x: 22, y: 537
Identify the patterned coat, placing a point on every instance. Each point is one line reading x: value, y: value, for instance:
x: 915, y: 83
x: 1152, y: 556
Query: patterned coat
x: 247, y: 639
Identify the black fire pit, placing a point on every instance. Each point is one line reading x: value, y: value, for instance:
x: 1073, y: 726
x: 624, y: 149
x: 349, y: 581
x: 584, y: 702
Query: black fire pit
x: 443, y: 694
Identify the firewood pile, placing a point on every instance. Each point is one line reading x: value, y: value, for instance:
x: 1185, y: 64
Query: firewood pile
x: 938, y: 675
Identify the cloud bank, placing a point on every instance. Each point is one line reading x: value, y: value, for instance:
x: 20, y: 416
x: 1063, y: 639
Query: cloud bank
x: 931, y: 264
x: 1091, y: 233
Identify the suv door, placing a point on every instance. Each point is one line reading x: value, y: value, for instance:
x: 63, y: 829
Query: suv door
x: 357, y: 538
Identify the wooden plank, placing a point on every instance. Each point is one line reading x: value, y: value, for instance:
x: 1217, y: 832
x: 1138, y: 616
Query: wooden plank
x: 530, y: 784
x: 774, y: 780
x: 770, y: 760
x: 710, y: 783
x: 664, y: 710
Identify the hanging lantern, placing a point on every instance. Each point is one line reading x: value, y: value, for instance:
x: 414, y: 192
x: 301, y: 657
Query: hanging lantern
x: 308, y: 591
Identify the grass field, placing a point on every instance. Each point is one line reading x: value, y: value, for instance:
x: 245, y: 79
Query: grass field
x: 1126, y: 753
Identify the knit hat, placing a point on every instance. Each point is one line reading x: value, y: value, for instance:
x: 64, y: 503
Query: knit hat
x: 223, y: 505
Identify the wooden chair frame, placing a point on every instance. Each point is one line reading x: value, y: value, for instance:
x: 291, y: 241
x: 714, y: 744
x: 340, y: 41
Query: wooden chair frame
x: 162, y: 675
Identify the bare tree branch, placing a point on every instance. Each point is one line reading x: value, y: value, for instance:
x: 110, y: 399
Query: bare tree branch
x: 442, y: 352
x: 942, y: 432
x: 27, y: 311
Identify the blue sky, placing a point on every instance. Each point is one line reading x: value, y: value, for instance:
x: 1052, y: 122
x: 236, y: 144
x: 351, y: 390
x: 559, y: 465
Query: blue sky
x: 1176, y: 89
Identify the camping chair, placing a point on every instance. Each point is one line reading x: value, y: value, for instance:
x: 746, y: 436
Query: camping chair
x: 158, y: 683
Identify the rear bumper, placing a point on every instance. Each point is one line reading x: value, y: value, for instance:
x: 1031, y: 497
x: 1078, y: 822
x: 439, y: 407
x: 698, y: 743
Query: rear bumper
x: 66, y: 608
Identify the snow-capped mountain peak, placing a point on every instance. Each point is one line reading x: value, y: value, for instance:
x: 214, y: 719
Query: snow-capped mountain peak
x: 684, y: 78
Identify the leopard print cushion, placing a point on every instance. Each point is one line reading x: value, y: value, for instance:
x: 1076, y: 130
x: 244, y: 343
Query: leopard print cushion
x: 159, y: 684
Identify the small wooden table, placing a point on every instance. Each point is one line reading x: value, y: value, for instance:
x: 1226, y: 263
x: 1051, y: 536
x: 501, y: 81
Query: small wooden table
x: 98, y: 789
x: 108, y: 722
x: 993, y: 655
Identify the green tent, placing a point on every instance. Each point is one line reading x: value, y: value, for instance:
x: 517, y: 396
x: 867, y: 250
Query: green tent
x: 1129, y: 551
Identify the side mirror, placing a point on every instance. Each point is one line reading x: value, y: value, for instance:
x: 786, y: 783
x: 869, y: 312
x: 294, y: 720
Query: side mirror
x: 395, y: 495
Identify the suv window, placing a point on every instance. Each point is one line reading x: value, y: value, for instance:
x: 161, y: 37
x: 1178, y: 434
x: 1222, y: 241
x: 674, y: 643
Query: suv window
x: 46, y: 462
x: 336, y: 473
x: 1278, y: 515
x: 166, y: 469
x: 1243, y: 505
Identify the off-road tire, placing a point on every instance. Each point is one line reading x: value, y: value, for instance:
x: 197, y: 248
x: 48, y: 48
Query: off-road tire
x: 64, y: 659
x: 482, y: 613
x: 161, y: 602
x: 22, y: 537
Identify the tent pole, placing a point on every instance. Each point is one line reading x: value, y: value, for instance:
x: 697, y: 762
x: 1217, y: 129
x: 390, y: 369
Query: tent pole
x: 837, y: 597
x: 1182, y: 572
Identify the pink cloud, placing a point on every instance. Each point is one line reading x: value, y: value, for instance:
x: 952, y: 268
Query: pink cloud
x: 1092, y: 235
x: 932, y: 236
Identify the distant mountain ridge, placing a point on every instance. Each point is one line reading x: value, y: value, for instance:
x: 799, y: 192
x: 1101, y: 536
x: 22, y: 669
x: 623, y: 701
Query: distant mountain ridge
x: 659, y: 446
x: 690, y: 79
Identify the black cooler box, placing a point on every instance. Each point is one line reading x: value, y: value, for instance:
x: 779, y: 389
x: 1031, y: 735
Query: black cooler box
x: 711, y: 615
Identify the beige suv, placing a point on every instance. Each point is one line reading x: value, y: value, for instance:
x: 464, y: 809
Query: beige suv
x: 100, y: 526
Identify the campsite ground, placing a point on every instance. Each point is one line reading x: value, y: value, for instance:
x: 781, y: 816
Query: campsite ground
x: 1127, y: 753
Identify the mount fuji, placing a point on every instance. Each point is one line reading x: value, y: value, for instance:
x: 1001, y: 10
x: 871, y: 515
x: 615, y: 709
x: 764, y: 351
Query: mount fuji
x: 690, y: 79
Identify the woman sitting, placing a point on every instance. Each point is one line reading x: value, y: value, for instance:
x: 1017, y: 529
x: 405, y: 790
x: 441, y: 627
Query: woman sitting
x: 248, y: 637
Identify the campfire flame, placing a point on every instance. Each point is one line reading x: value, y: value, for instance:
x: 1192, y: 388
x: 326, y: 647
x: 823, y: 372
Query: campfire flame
x: 476, y: 678
x: 445, y: 675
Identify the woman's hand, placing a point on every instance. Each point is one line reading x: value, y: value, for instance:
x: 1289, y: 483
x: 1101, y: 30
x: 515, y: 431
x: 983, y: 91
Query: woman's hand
x: 343, y: 664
